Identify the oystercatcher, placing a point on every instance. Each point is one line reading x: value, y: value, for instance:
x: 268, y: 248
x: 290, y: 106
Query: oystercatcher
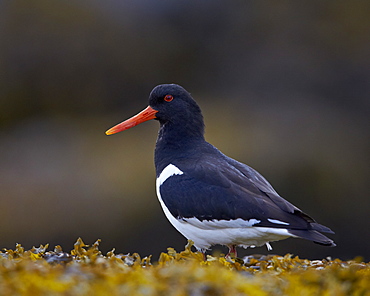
x: 209, y: 197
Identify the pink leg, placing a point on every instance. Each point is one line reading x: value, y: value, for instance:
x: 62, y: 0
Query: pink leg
x: 232, y: 252
x: 204, y: 255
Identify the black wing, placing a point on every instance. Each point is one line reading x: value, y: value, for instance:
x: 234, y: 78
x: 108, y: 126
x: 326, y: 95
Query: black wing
x: 216, y: 187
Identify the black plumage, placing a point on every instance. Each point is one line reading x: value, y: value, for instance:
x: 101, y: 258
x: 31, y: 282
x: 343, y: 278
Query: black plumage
x: 210, y: 186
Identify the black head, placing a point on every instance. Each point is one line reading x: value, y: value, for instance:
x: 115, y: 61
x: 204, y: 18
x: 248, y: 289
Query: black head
x: 179, y: 115
x: 175, y: 105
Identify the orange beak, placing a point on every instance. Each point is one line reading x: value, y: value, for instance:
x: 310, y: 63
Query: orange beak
x: 147, y: 114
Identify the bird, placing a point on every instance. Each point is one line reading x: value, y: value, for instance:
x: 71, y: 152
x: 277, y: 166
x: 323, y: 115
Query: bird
x: 210, y: 198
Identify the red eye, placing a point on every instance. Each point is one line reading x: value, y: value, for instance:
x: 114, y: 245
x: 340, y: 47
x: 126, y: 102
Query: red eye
x: 168, y: 98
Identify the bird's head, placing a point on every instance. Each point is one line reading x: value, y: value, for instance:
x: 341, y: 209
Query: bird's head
x: 171, y: 105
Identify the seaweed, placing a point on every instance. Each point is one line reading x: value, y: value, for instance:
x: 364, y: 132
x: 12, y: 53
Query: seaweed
x: 85, y: 270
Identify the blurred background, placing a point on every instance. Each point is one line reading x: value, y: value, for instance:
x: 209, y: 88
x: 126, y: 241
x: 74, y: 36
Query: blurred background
x: 284, y: 87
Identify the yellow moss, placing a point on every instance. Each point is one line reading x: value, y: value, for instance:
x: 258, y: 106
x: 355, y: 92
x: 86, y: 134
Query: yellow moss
x: 86, y: 271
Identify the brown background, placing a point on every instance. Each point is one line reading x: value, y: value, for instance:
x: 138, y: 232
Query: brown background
x: 284, y: 87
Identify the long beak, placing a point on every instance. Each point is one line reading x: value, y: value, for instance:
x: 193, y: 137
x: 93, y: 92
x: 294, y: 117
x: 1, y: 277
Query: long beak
x: 147, y: 114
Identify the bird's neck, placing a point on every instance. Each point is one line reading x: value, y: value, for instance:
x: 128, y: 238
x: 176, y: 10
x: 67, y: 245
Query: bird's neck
x: 176, y: 142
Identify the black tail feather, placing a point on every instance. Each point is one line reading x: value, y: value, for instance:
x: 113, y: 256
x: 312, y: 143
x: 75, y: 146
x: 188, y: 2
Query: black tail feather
x: 314, y: 236
x: 321, y: 228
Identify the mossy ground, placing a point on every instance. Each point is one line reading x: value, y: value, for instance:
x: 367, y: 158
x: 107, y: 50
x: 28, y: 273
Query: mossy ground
x: 86, y: 271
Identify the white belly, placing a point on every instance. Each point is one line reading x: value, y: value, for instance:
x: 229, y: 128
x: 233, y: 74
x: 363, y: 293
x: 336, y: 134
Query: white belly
x: 207, y: 233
